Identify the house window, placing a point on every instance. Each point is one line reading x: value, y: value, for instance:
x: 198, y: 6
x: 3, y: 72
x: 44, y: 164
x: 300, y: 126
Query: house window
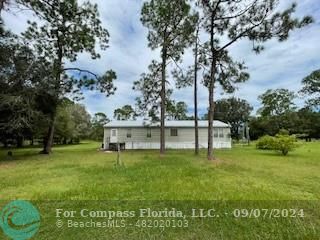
x: 173, y: 132
x: 129, y: 133
x: 113, y: 132
x: 221, y: 135
x: 215, y: 132
x: 149, y: 133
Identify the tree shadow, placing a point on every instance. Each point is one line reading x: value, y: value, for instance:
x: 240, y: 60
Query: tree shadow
x: 18, y: 154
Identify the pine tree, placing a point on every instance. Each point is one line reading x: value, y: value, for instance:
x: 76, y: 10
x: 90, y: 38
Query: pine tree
x: 170, y: 25
x: 227, y: 22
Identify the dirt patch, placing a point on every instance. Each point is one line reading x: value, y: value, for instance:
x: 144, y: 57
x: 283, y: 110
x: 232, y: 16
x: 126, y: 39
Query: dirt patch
x: 217, y: 161
x: 6, y: 165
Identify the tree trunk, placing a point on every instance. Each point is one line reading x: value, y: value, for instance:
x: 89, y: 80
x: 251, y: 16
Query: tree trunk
x: 248, y: 133
x: 163, y: 102
x: 211, y: 92
x: 49, y: 138
x: 57, y: 69
x: 210, y: 124
x: 196, y: 130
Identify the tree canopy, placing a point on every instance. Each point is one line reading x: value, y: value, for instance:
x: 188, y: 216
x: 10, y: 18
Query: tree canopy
x: 125, y: 113
x: 276, y: 102
x: 234, y: 111
x: 311, y: 88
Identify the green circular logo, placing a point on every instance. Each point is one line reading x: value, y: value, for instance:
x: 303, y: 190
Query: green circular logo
x: 19, y: 220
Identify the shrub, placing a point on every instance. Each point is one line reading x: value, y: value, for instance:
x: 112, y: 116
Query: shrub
x: 265, y: 143
x: 285, y: 143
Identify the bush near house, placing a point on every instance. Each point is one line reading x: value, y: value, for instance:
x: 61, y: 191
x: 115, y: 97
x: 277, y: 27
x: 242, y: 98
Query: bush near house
x: 282, y: 142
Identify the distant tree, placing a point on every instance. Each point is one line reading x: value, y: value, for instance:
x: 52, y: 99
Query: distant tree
x: 170, y: 26
x: 82, y: 120
x: 97, y: 126
x: 64, y: 125
x: 308, y: 123
x: 311, y: 87
x: 181, y: 111
x: 227, y: 22
x: 125, y: 113
x: 153, y: 115
x: 177, y: 111
x: 234, y: 111
x: 72, y: 122
x: 66, y: 29
x: 276, y: 102
x: 271, y: 125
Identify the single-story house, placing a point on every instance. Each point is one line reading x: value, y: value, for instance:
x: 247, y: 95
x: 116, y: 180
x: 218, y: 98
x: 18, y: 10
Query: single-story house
x: 178, y: 135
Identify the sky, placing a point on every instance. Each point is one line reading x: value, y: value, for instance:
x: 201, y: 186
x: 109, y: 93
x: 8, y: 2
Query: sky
x: 280, y: 65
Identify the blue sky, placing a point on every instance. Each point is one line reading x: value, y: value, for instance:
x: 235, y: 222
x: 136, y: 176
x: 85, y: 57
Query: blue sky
x: 281, y: 65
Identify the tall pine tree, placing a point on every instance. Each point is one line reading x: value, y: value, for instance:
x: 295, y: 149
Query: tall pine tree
x: 170, y: 26
x: 227, y: 22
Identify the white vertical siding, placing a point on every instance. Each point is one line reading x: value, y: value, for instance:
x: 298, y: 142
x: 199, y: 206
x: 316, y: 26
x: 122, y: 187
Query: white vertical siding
x: 184, y: 140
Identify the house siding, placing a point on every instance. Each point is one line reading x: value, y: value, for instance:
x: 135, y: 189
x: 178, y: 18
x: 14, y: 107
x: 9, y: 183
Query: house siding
x: 184, y: 140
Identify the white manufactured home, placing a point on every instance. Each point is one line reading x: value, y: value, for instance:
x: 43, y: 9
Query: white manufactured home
x: 178, y: 135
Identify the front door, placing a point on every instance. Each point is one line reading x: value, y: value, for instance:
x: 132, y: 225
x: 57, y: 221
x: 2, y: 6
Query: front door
x: 114, y: 136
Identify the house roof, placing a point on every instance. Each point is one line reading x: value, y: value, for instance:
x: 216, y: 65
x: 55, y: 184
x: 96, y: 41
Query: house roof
x: 142, y: 123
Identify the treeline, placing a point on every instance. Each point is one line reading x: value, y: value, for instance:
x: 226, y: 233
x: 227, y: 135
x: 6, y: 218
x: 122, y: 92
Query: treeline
x: 73, y: 123
x: 278, y: 112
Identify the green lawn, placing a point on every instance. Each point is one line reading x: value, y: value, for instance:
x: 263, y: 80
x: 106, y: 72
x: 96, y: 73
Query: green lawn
x: 81, y: 172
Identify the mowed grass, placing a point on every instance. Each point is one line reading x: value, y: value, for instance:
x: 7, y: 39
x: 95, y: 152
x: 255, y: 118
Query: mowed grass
x: 81, y: 172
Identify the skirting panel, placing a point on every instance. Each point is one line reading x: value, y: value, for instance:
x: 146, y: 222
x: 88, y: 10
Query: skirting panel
x: 174, y: 145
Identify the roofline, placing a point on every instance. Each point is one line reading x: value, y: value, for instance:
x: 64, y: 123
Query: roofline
x: 126, y: 124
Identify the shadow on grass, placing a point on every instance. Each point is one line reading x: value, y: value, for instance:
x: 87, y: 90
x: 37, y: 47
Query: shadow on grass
x: 18, y: 156
x: 26, y: 152
x: 275, y: 154
x: 40, y: 146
